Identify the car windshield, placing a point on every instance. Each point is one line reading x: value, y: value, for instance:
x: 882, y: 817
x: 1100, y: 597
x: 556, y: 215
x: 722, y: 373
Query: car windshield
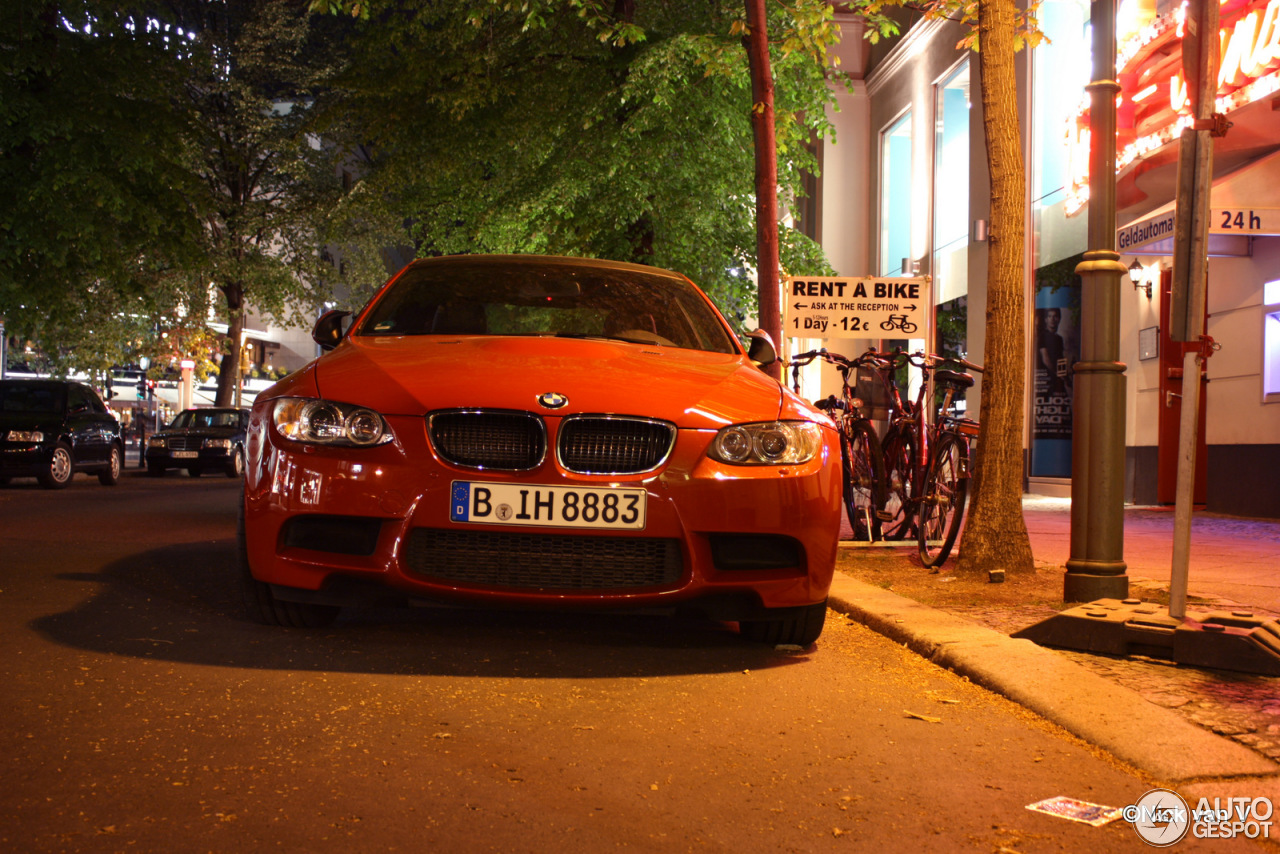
x: 36, y: 398
x: 548, y: 299
x: 198, y: 418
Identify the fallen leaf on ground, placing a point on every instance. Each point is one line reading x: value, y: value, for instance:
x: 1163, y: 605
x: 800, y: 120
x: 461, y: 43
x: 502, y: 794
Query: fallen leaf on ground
x: 920, y: 717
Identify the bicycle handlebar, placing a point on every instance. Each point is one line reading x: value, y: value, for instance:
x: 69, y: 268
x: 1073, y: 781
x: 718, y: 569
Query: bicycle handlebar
x: 920, y: 359
x: 956, y: 360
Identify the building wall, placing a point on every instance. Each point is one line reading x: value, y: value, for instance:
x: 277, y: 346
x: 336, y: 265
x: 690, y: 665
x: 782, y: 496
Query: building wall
x: 1242, y: 431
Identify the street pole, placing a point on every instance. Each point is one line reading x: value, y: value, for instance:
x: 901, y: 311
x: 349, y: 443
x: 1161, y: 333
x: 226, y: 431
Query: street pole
x: 1096, y: 568
x: 1190, y: 274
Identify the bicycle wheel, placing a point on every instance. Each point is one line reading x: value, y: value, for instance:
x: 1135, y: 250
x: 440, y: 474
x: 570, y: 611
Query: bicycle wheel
x: 899, y: 479
x: 863, y: 469
x: 942, y: 500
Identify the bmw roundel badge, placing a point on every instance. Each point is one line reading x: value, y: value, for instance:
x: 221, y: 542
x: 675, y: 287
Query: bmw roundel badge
x: 552, y: 399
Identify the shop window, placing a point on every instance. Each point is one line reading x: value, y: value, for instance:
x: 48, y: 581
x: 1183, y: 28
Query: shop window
x: 895, y: 198
x: 1061, y: 68
x: 1271, y: 342
x: 951, y: 172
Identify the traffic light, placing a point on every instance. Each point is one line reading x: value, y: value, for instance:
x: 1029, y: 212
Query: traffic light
x: 151, y: 390
x: 142, y: 388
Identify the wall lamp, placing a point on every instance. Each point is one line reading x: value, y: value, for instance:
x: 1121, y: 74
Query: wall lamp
x: 1138, y: 275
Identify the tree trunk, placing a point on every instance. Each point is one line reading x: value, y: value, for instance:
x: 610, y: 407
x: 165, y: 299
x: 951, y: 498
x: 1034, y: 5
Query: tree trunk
x: 766, y: 154
x: 995, y: 535
x: 229, y: 369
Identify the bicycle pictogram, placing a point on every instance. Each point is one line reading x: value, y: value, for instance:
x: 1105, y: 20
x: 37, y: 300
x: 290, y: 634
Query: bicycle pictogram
x: 898, y: 321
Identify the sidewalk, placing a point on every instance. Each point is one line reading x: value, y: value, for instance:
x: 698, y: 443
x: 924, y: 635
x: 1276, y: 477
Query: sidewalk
x: 1209, y: 733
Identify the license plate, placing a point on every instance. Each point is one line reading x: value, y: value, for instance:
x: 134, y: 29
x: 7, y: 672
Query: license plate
x: 548, y: 506
x: 185, y: 455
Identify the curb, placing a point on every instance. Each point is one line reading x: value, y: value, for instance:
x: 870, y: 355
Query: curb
x: 1153, y: 739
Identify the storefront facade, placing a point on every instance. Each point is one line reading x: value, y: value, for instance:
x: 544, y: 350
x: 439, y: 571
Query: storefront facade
x: 925, y: 209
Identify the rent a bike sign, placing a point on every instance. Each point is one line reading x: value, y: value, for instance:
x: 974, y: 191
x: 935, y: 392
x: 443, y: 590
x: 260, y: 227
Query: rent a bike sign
x: 847, y: 307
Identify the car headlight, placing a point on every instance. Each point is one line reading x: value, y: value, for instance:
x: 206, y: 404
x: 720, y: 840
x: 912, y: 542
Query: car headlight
x: 769, y: 443
x: 25, y: 436
x: 218, y: 443
x: 323, y: 422
x: 155, y: 442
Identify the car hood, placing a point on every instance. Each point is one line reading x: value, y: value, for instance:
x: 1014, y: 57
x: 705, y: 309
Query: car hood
x: 414, y: 375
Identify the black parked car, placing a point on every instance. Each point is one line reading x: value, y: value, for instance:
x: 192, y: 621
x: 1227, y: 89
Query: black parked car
x: 51, y: 429
x: 200, y: 440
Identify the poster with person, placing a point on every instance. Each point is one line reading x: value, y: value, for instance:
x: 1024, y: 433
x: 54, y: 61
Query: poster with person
x: 1057, y: 349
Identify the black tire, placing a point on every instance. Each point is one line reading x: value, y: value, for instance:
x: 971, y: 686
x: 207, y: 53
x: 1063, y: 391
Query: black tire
x: 195, y: 471
x: 61, y: 468
x: 942, y: 501
x: 235, y: 468
x: 899, y: 481
x: 155, y: 470
x: 862, y: 470
x: 110, y: 476
x: 263, y: 606
x: 800, y: 628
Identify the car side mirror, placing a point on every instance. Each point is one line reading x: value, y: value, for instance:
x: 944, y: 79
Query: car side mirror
x: 762, y: 352
x: 330, y: 328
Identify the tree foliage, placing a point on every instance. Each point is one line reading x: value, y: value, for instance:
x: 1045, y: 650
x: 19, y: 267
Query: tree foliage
x: 577, y: 127
x: 167, y: 162
x: 95, y: 204
x: 255, y: 71
x: 156, y: 152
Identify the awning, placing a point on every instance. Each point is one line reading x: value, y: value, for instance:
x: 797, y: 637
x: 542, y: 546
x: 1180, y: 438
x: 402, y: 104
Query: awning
x: 1242, y: 204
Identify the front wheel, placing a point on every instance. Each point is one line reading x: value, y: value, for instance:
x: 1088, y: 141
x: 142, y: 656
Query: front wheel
x: 110, y: 475
x: 863, y: 469
x: 942, y: 501
x: 235, y: 468
x: 61, y: 468
x: 801, y: 627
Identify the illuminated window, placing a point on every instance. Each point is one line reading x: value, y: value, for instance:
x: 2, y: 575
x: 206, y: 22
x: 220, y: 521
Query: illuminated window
x: 895, y: 198
x: 1271, y: 342
x: 951, y: 187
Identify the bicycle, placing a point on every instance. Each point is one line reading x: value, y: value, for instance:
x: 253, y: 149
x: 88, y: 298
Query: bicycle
x: 946, y: 486
x: 861, y: 459
x: 926, y: 463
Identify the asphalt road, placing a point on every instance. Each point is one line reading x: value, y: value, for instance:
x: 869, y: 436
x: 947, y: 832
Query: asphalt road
x: 143, y: 712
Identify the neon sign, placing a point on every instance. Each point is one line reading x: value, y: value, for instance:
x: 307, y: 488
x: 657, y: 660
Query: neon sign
x: 1152, y: 108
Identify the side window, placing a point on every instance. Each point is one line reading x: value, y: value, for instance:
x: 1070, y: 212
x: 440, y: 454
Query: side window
x: 78, y: 400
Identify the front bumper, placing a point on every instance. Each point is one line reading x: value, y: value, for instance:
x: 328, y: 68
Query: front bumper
x: 727, y: 540
x: 24, y: 459
x: 205, y: 458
